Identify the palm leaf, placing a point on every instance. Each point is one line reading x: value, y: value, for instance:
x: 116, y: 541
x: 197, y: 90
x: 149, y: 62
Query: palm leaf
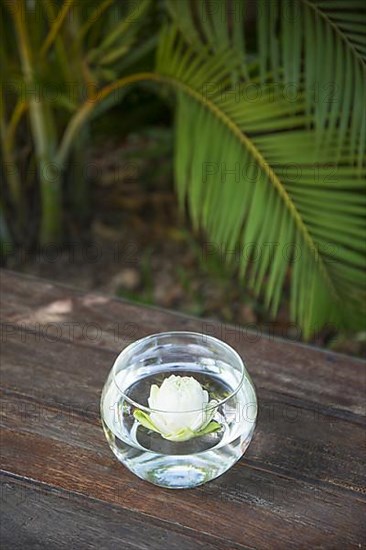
x: 235, y: 163
x: 317, y: 45
x: 218, y: 25
x: 123, y: 33
x: 328, y: 37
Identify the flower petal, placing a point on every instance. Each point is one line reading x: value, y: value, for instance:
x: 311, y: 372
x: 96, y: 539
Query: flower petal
x: 182, y: 435
x: 154, y: 393
x: 183, y: 409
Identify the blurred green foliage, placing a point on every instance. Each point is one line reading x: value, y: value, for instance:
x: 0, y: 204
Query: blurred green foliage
x: 270, y: 126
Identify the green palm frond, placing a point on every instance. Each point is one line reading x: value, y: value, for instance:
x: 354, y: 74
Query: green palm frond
x: 328, y: 39
x: 253, y: 178
x: 216, y: 24
x: 317, y: 45
x: 122, y: 35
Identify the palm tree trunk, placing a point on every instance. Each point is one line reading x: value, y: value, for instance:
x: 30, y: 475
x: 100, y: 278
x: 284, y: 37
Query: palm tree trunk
x: 41, y: 122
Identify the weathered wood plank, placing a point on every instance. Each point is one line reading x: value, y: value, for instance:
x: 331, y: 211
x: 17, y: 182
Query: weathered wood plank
x: 36, y: 516
x: 246, y: 507
x: 319, y: 378
x: 301, y: 483
x: 289, y: 439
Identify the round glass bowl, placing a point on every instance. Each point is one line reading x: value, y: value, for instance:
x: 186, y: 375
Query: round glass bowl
x: 178, y: 408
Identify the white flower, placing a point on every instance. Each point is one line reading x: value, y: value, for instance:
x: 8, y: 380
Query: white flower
x: 182, y: 409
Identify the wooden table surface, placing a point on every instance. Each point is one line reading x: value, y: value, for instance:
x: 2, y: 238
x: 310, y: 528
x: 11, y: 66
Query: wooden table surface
x: 301, y: 484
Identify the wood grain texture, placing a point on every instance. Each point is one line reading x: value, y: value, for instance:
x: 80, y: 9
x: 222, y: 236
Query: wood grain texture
x: 244, y: 505
x: 290, y: 439
x: 35, y: 517
x: 301, y: 483
x: 320, y: 378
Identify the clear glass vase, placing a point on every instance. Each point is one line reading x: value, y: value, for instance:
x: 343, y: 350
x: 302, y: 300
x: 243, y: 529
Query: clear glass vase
x: 184, y: 439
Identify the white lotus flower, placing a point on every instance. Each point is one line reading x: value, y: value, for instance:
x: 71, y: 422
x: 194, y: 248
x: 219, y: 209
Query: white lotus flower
x: 182, y: 409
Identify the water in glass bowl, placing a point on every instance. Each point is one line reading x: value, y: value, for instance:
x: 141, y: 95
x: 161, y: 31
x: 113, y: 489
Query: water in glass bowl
x: 182, y: 464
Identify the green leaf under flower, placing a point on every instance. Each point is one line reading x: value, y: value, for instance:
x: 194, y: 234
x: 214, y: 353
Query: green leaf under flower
x: 213, y: 426
x: 182, y: 435
x: 144, y: 420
